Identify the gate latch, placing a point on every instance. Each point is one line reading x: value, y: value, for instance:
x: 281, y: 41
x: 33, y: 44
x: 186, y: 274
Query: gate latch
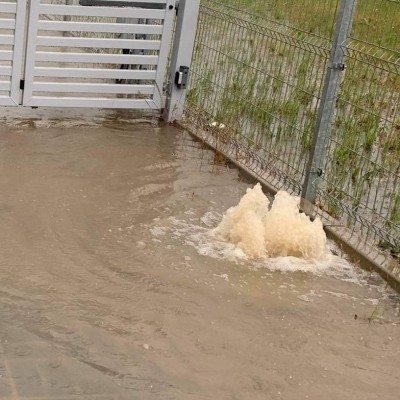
x: 182, y: 77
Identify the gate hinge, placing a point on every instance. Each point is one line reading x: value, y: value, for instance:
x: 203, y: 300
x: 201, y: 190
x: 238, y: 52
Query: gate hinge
x: 176, y: 6
x: 167, y: 88
x: 22, y: 84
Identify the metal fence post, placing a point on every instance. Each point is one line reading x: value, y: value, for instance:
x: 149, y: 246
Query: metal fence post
x: 328, y: 101
x: 181, y: 56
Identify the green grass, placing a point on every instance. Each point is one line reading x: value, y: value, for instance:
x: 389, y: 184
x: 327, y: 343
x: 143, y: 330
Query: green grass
x: 375, y: 21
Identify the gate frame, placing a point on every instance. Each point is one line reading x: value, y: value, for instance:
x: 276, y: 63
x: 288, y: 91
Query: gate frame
x: 17, y: 57
x: 181, y: 56
x: 166, y: 89
x: 156, y: 103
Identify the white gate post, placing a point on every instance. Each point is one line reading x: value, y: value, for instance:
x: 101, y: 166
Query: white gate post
x: 181, y: 57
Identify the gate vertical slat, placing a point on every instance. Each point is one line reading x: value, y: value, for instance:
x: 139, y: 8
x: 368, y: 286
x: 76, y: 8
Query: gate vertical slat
x: 16, y: 40
x: 164, y: 50
x: 18, y: 58
x: 182, y: 51
x: 31, y: 50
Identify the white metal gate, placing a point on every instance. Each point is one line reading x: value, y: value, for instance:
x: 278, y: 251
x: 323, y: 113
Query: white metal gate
x: 86, y: 56
x: 12, y: 27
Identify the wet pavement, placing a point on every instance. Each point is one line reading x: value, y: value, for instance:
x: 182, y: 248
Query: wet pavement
x: 107, y: 291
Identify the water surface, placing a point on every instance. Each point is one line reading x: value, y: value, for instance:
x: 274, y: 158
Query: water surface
x: 109, y: 291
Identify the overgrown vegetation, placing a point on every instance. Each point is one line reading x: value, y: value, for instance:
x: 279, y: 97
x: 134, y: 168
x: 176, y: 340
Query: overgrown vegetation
x: 375, y: 21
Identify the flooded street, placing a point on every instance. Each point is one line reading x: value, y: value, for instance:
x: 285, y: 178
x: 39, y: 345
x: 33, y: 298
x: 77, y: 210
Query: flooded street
x: 111, y: 288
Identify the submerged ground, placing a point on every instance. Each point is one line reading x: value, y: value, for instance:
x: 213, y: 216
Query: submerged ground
x: 107, y: 291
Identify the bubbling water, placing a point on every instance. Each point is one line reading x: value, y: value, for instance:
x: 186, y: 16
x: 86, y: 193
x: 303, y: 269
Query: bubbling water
x: 261, y: 231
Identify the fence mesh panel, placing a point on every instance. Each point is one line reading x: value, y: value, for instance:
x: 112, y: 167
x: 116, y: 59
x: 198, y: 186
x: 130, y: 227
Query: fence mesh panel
x: 262, y: 78
x: 256, y: 84
x: 361, y: 185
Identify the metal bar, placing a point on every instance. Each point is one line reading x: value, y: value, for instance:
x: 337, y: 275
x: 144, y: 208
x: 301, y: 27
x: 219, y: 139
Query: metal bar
x: 143, y: 104
x: 7, y: 23
x: 69, y: 87
x: 5, y: 71
x: 6, y: 55
x: 182, y: 51
x: 94, y: 73
x: 124, y: 3
x: 101, y: 11
x: 327, y: 103
x: 5, y: 86
x: 18, y: 57
x: 52, y: 41
x: 10, y: 8
x: 96, y: 58
x: 6, y: 101
x: 164, y: 50
x: 30, y: 50
x: 7, y: 39
x: 62, y: 26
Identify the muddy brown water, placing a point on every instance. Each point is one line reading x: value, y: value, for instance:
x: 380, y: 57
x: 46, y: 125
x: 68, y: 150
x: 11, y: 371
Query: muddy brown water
x: 101, y: 299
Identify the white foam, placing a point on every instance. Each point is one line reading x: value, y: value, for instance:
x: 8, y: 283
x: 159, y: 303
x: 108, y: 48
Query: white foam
x: 158, y: 231
x: 203, y: 239
x: 204, y: 235
x: 280, y: 231
x: 146, y: 190
x: 162, y: 166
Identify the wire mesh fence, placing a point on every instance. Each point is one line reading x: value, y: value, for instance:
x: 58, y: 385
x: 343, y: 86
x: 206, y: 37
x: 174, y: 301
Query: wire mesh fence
x: 361, y: 184
x: 262, y: 79
x: 256, y: 88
